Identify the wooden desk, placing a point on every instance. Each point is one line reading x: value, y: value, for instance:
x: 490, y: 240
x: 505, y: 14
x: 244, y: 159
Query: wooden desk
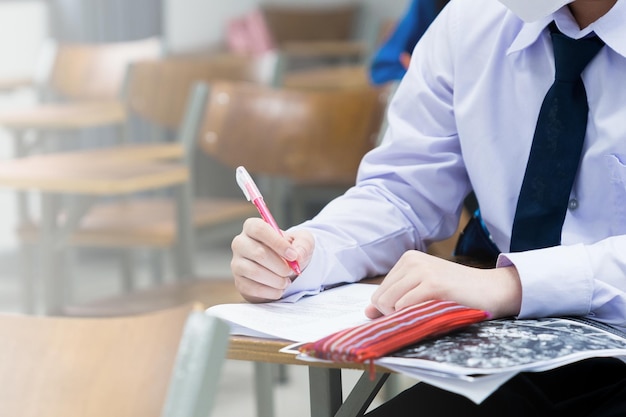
x: 325, y: 49
x: 11, y: 84
x: 56, y: 175
x: 64, y: 116
x: 344, y: 76
x: 326, y: 396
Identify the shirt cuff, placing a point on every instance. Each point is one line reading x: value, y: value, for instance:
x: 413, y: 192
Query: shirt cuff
x: 556, y: 281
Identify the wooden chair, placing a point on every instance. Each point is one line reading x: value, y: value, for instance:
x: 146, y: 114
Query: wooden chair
x: 161, y: 93
x: 95, y: 71
x: 310, y: 23
x: 310, y: 36
x: 166, y: 363
x: 329, y: 77
x: 314, y: 139
x: 79, y: 87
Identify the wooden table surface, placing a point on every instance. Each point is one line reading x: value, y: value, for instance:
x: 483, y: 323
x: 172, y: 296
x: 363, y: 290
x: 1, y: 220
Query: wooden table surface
x: 338, y: 76
x: 84, y: 175
x: 324, y: 48
x: 10, y: 84
x: 64, y: 116
x: 95, y: 175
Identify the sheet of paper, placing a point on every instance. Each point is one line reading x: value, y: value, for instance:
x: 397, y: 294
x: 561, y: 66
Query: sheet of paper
x: 476, y: 389
x: 308, y: 319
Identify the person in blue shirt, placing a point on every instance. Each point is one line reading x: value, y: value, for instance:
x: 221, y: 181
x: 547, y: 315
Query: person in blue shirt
x: 392, y: 58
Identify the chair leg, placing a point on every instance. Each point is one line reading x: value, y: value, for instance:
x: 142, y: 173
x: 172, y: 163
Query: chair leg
x: 127, y: 268
x: 27, y: 278
x: 185, y: 244
x: 65, y: 268
x: 157, y: 265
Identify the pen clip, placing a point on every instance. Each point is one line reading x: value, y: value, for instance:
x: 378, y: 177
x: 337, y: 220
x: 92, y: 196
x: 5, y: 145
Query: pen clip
x: 247, y: 185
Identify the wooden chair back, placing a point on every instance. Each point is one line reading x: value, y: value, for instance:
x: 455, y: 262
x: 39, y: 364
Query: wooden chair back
x: 157, y: 90
x: 83, y: 71
x: 116, y: 366
x: 311, y: 23
x: 308, y: 136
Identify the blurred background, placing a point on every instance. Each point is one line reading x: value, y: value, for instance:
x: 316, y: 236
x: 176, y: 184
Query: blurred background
x: 305, y: 45
x: 184, y: 26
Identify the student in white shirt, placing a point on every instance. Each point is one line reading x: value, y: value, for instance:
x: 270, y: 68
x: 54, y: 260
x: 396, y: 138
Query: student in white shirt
x: 463, y: 120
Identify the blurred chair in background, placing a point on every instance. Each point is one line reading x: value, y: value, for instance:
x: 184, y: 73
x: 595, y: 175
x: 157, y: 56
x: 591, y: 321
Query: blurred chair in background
x: 330, y: 77
x: 162, y: 364
x: 315, y: 33
x: 310, y: 137
x: 79, y: 86
x: 313, y: 139
x: 306, y: 37
x: 161, y: 93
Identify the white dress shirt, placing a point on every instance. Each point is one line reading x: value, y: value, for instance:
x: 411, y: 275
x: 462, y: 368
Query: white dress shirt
x: 463, y: 119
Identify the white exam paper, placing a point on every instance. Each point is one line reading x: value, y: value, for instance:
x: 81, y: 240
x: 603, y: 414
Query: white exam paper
x: 310, y: 318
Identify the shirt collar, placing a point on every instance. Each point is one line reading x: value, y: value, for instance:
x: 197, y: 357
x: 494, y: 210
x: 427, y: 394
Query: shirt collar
x: 610, y: 28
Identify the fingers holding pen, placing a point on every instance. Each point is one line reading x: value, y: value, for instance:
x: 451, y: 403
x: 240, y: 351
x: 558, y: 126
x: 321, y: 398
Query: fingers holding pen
x: 258, y: 262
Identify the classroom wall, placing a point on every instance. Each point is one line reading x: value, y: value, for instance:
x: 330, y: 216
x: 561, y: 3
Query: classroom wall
x: 197, y: 24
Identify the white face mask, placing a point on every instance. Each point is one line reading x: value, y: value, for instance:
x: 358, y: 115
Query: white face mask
x: 531, y: 10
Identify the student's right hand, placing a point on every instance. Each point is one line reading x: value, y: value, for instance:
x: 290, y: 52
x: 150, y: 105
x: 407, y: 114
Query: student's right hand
x: 258, y: 263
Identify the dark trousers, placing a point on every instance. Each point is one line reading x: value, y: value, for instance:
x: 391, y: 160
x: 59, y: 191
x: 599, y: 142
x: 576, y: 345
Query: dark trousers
x: 591, y: 388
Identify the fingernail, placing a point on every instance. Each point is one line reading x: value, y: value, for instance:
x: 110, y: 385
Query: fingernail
x: 291, y: 254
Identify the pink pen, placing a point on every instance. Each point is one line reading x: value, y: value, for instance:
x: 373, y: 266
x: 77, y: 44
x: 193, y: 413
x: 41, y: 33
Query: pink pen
x: 252, y: 193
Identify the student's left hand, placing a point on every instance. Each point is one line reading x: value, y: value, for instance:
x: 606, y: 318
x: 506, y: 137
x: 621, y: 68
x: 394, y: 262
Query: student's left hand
x: 419, y: 277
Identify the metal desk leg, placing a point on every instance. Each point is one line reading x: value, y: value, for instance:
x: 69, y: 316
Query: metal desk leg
x: 27, y: 271
x: 185, y: 246
x: 53, y: 294
x: 21, y: 150
x: 325, y: 391
x: 362, y: 395
x: 264, y: 388
x: 27, y: 277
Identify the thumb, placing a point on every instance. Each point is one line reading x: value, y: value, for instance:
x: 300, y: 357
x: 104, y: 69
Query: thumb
x: 371, y: 312
x: 301, y: 249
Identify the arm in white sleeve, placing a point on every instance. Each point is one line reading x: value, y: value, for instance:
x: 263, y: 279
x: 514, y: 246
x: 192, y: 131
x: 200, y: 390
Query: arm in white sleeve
x: 576, y: 280
x: 409, y: 190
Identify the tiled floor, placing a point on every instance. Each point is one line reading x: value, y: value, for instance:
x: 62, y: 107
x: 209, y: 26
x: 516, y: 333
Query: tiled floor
x: 96, y: 275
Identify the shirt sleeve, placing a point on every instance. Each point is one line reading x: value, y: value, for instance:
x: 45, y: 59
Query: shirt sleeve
x: 409, y: 190
x: 574, y: 280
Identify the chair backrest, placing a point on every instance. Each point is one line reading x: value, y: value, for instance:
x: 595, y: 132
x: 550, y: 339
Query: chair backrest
x: 157, y: 90
x: 307, y: 136
x: 120, y: 366
x: 310, y: 23
x: 81, y: 71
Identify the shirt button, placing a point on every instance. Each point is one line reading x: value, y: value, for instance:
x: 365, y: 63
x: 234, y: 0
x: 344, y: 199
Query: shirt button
x: 572, y: 204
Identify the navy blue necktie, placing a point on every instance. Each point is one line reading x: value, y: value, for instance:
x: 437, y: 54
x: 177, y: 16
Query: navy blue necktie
x: 556, y: 148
